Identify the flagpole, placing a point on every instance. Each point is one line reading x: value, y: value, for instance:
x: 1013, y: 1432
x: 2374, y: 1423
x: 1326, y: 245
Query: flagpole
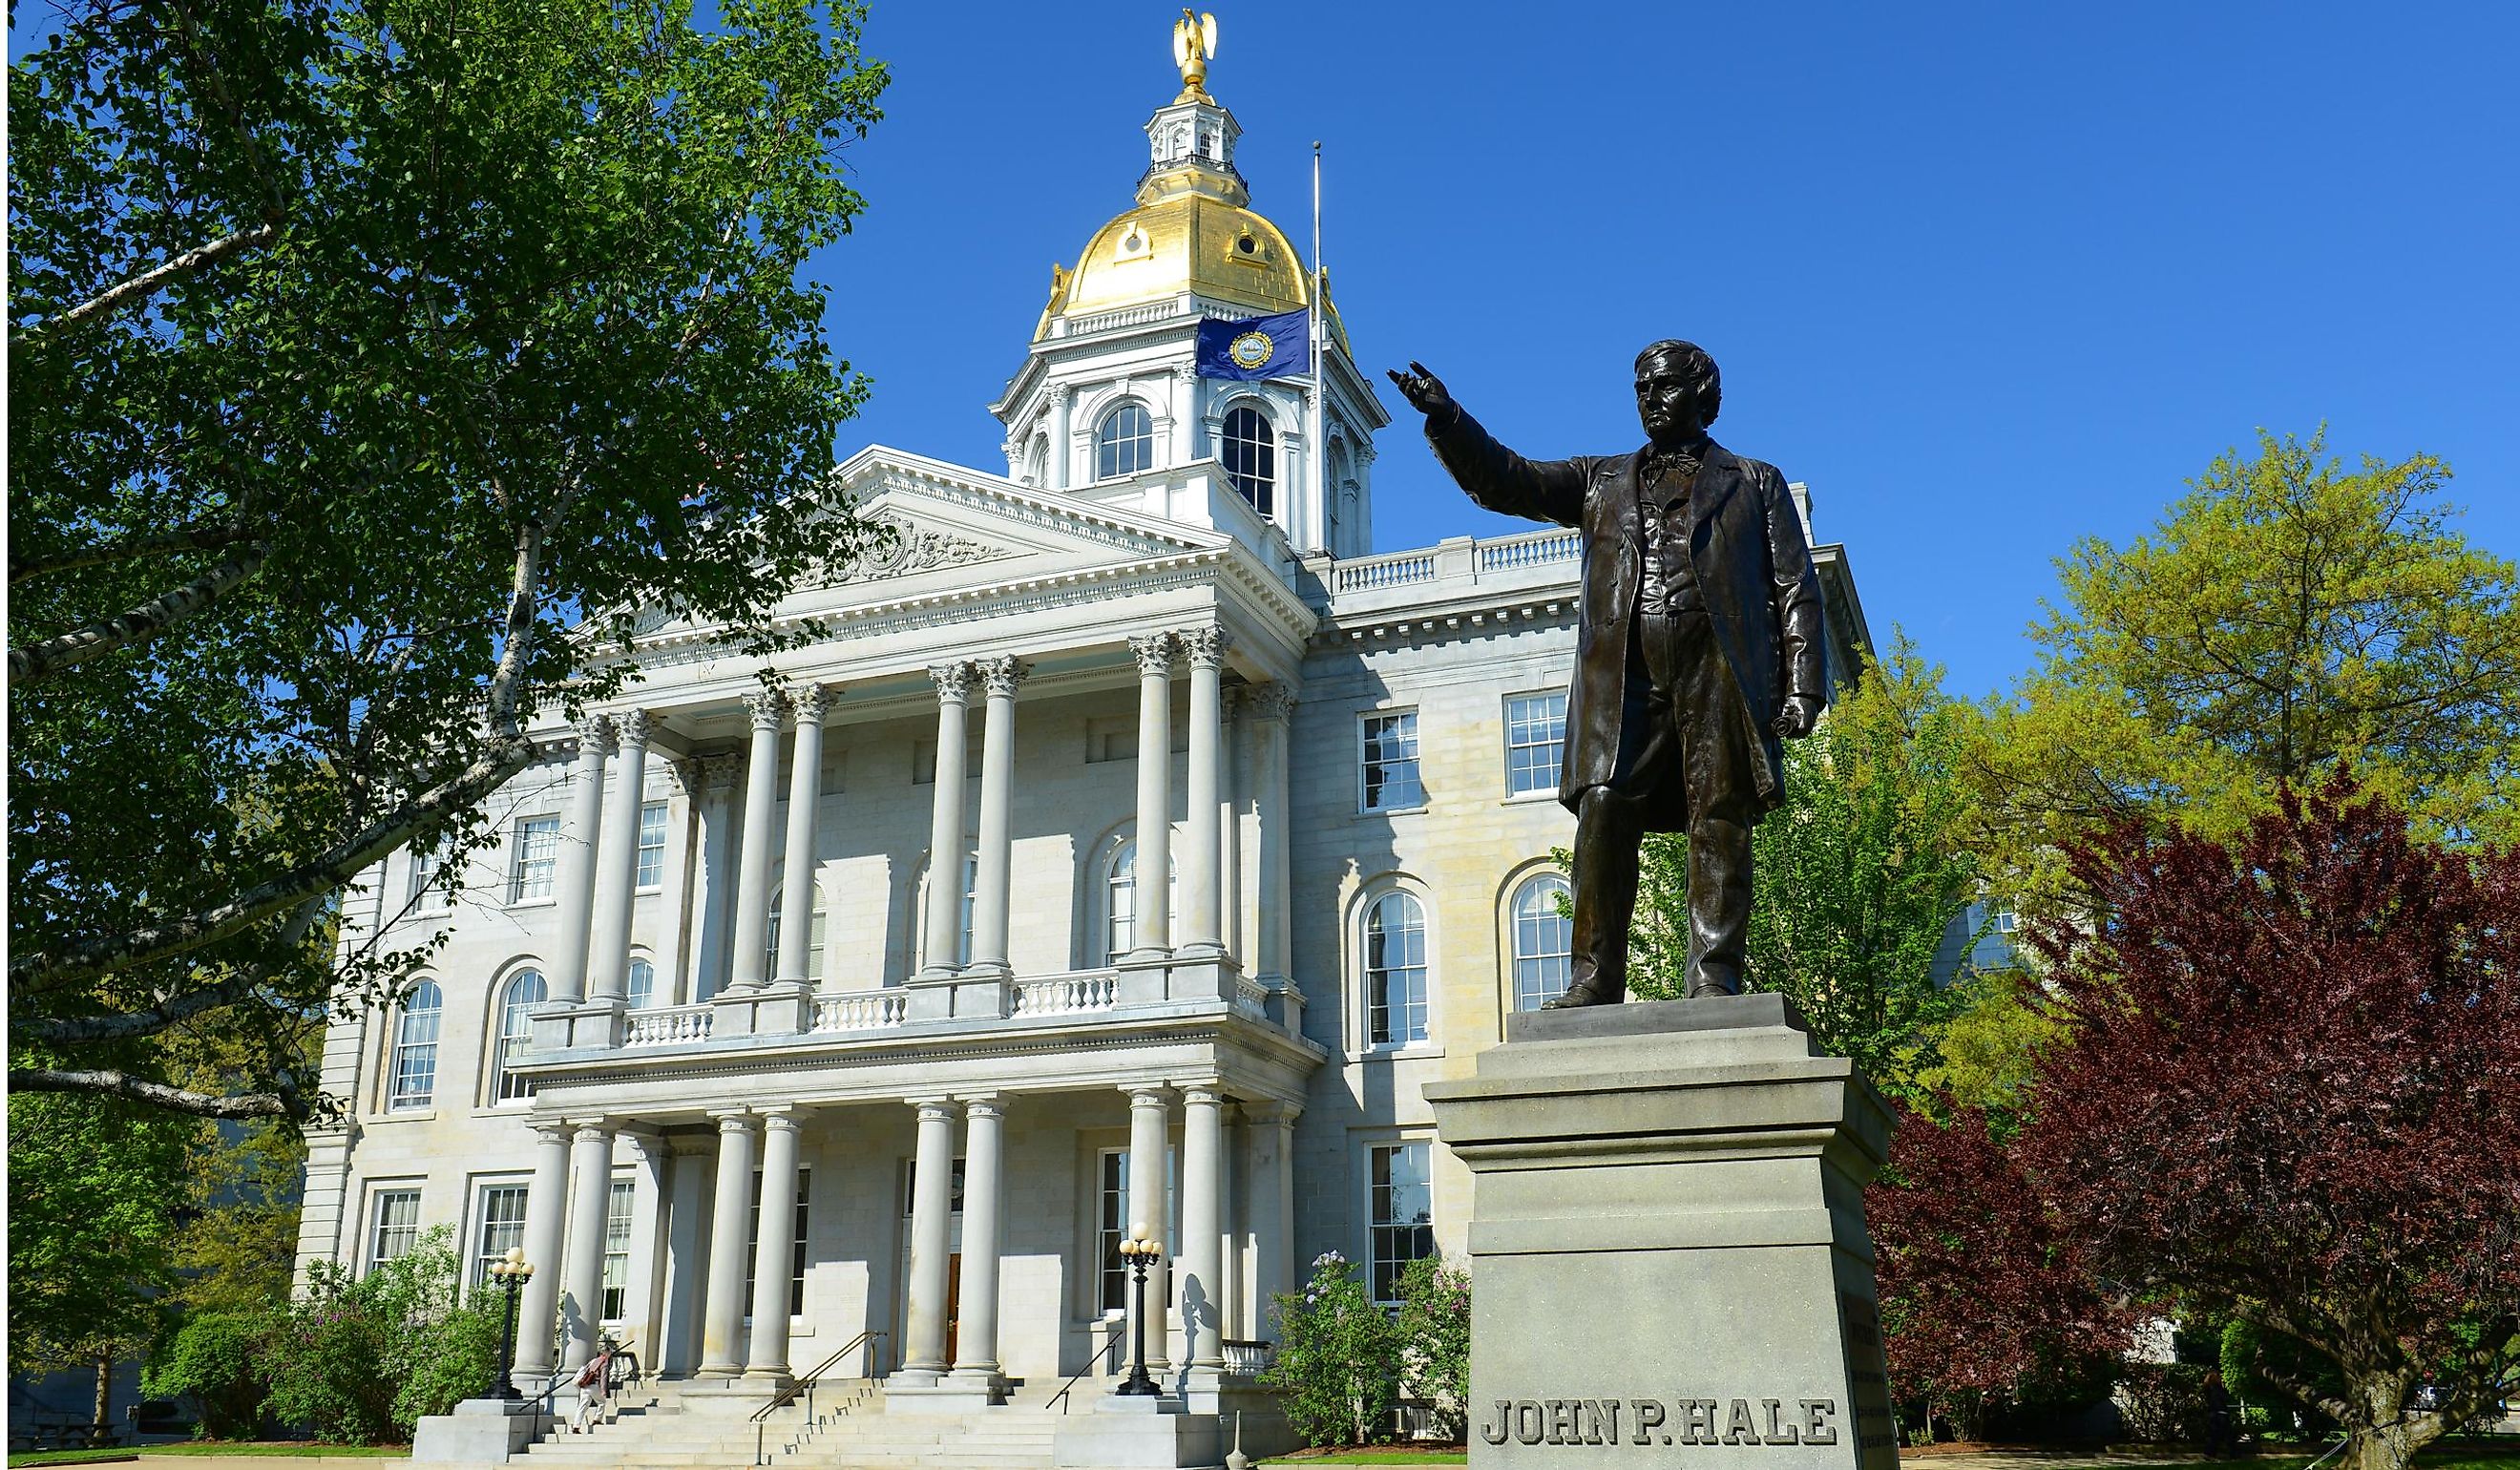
x: 1318, y: 514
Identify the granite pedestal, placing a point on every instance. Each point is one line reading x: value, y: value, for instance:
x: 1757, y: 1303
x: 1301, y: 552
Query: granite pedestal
x: 1668, y: 1258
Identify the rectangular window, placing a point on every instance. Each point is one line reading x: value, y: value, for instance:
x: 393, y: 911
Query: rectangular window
x: 1535, y: 742
x: 533, y: 857
x: 1390, y: 762
x: 797, y: 1256
x: 616, y: 1249
x: 502, y: 1227
x: 397, y: 1217
x: 1111, y: 1222
x: 427, y: 867
x: 652, y: 845
x: 1403, y: 1213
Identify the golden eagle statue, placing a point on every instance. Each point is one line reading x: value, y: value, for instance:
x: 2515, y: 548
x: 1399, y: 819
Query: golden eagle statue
x: 1193, y: 46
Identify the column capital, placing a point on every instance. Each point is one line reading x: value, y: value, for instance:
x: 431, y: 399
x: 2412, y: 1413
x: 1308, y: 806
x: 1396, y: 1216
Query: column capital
x: 769, y: 709
x: 710, y: 775
x: 1269, y: 1110
x: 1273, y: 702
x: 953, y: 683
x: 984, y: 1105
x: 732, y: 1119
x: 1001, y: 674
x: 550, y: 1132
x: 595, y: 735
x: 632, y: 727
x: 1154, y: 653
x: 1204, y: 648
x: 809, y: 703
x: 590, y: 1131
x: 779, y: 1120
x: 1209, y: 1093
x: 933, y: 1107
x: 1148, y: 1094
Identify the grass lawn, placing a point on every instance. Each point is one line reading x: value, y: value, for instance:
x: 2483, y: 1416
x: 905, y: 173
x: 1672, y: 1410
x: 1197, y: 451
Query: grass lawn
x: 295, y: 1450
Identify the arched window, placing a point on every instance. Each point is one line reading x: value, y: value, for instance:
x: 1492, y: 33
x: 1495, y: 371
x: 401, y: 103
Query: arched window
x: 1251, y: 458
x: 516, y: 1001
x: 813, y: 937
x: 1037, y: 461
x: 643, y: 985
x: 1544, y: 941
x: 1123, y: 891
x: 1395, y: 970
x: 1125, y: 443
x: 415, y: 1053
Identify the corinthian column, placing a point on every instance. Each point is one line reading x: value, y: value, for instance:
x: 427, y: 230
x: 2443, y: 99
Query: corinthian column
x: 760, y: 829
x: 574, y: 877
x: 942, y: 934
x: 1154, y: 654
x: 608, y: 958
x: 1202, y: 927
x: 804, y: 805
x: 996, y: 829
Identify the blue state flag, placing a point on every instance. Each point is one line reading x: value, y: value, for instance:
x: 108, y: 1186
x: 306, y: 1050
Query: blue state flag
x: 1277, y: 347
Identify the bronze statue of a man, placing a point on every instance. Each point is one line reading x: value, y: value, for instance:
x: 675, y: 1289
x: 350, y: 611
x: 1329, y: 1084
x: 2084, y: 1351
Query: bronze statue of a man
x: 1699, y: 651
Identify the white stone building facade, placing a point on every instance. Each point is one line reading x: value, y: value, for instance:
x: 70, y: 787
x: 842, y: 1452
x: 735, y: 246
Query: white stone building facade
x: 927, y: 1110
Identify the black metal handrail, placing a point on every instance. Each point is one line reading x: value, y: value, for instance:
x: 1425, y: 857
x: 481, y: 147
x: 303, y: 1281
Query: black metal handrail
x: 1092, y: 1361
x: 802, y: 1386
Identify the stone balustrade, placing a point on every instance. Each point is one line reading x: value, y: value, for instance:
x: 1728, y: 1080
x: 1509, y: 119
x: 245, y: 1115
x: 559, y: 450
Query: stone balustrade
x: 861, y: 1011
x: 666, y: 1025
x: 1066, y: 994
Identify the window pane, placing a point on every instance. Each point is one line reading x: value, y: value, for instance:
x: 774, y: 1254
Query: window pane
x: 651, y: 844
x: 1535, y: 742
x: 1391, y: 763
x: 1404, y: 1215
x: 616, y: 1249
x: 643, y: 985
x: 517, y: 1032
x: 1251, y: 459
x: 503, y: 1226
x: 397, y: 1226
x: 1126, y: 442
x: 1395, y: 970
x: 534, y: 858
x: 414, y: 1060
x: 1544, y: 940
x: 796, y: 1254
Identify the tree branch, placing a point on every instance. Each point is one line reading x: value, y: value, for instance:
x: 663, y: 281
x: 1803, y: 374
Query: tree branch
x: 192, y: 538
x: 154, y: 280
x: 110, y: 1084
x: 37, y: 662
x: 171, y: 1011
x: 509, y: 753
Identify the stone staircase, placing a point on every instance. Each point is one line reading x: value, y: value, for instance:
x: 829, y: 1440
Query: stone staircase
x: 849, y: 1430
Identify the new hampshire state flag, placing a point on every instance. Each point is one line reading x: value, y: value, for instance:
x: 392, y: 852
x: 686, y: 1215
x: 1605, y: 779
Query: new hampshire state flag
x: 1277, y: 347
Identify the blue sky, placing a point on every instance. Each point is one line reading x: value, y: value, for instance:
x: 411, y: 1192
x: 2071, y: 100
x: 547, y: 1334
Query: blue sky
x: 1991, y: 278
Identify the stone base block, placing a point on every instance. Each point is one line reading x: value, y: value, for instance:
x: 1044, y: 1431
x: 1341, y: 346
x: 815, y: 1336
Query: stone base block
x: 948, y: 1394
x: 480, y: 1432
x: 727, y: 1397
x: 1667, y: 1236
x: 1154, y: 1433
x: 565, y: 1025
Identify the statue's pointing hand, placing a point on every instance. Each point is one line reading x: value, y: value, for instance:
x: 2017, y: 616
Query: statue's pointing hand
x: 1424, y: 391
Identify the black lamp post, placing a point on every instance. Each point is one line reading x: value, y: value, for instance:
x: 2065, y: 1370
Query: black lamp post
x: 1139, y: 1252
x: 513, y: 1272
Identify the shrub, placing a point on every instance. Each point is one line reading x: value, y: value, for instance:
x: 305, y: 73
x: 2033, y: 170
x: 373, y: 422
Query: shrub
x: 2163, y: 1402
x: 216, y: 1361
x: 1434, y: 1331
x: 1338, y: 1357
x: 358, y: 1360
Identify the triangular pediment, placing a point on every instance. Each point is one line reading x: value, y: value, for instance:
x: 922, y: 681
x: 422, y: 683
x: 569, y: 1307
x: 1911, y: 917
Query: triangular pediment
x: 955, y: 529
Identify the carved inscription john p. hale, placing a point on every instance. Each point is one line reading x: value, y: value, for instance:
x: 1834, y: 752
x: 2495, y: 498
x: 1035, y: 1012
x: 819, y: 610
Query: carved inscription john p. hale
x: 1738, y: 1422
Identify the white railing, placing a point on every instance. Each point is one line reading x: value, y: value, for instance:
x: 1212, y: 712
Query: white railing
x: 1066, y: 994
x: 1371, y: 574
x: 1251, y: 996
x: 1530, y: 551
x: 1126, y: 316
x: 1249, y: 1360
x: 664, y: 1026
x: 864, y: 1010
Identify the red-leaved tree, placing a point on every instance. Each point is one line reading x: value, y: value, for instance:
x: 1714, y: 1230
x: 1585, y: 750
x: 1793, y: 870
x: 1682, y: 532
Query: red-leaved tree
x: 1985, y: 1300
x: 2292, y: 1093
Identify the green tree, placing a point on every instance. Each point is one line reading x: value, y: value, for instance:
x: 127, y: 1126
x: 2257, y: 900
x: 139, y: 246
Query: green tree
x: 361, y: 1360
x: 2283, y: 616
x: 1855, y: 878
x: 380, y: 371
x: 93, y: 1187
x: 1338, y: 1357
